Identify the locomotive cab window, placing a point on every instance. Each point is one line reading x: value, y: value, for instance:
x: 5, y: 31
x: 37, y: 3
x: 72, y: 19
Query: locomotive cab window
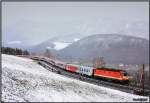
x: 124, y: 73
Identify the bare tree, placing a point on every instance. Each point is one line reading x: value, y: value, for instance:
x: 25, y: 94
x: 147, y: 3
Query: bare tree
x: 48, y: 53
x: 99, y: 61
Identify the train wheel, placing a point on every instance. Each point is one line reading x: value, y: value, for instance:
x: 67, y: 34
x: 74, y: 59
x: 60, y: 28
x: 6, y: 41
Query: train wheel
x: 124, y: 82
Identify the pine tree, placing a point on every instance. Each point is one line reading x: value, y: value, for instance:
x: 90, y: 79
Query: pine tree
x: 25, y: 52
x: 14, y: 51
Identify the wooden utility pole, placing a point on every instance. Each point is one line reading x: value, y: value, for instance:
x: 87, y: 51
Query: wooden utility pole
x: 142, y: 78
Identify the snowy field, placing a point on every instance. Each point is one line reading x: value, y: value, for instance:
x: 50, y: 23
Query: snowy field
x: 23, y: 80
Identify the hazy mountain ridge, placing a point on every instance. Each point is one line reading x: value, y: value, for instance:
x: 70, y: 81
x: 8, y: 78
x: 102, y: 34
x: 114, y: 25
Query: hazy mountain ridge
x: 56, y: 43
x: 114, y: 48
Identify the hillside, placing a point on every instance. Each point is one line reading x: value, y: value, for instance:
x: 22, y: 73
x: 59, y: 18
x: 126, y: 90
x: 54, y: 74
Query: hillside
x: 23, y: 80
x: 114, y: 48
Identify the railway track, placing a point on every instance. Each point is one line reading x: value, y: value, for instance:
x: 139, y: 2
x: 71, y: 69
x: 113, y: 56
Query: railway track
x: 61, y: 71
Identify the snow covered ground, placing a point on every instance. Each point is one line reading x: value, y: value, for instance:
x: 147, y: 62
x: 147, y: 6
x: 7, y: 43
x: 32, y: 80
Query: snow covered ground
x: 24, y: 80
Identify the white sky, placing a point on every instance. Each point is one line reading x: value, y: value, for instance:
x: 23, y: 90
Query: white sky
x: 34, y: 22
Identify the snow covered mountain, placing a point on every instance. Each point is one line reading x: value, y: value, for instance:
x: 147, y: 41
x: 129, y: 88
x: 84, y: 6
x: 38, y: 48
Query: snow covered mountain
x: 114, y: 48
x: 56, y: 43
x: 23, y: 80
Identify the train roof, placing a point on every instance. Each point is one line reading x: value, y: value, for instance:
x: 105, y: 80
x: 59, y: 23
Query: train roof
x: 109, y: 68
x: 72, y: 64
x: 79, y: 65
x: 101, y: 67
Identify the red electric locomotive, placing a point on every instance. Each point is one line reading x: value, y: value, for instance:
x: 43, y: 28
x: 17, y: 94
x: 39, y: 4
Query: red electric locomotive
x: 111, y: 74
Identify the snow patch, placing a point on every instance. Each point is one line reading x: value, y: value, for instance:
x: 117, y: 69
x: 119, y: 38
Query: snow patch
x: 60, y: 45
x: 48, y: 47
x: 76, y: 39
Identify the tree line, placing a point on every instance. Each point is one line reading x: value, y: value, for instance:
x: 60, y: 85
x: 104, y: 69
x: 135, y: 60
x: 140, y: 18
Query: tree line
x: 14, y: 51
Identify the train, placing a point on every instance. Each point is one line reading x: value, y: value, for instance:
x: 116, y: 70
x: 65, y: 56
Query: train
x: 106, y: 73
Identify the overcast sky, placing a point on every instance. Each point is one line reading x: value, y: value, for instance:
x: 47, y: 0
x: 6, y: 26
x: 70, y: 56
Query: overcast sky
x: 34, y: 22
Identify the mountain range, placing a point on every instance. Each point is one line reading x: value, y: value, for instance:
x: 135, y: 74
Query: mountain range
x: 114, y: 48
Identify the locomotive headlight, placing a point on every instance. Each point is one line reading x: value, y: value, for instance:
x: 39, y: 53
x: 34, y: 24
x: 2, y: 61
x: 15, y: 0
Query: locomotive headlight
x: 125, y: 77
x: 130, y: 77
